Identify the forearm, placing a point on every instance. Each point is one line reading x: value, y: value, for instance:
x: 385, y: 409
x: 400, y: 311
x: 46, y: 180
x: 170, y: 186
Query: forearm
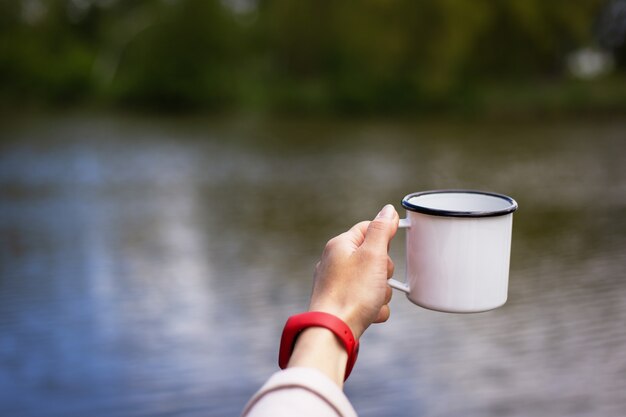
x: 319, y: 348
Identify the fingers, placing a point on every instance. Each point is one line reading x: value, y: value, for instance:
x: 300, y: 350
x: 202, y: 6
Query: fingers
x: 356, y: 234
x: 388, y: 295
x: 349, y: 240
x: 382, y: 229
x: 390, y: 268
x: 377, y: 233
x: 385, y: 311
x: 383, y: 314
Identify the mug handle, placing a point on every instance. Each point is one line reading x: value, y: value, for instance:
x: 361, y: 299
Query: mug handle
x: 394, y: 283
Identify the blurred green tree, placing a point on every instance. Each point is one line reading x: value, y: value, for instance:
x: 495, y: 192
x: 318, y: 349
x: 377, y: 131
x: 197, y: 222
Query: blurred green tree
x: 311, y: 54
x: 43, y: 53
x: 186, y: 54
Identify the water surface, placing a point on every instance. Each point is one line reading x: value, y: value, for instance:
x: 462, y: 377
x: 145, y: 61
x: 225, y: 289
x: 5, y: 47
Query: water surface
x: 147, y: 265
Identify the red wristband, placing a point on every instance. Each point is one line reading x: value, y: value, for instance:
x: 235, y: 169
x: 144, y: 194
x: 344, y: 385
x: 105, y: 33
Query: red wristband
x: 299, y: 322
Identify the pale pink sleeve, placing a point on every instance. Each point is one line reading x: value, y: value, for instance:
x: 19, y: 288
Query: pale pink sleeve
x: 299, y: 392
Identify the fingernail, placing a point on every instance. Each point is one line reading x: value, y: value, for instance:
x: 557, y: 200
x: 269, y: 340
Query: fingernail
x: 387, y: 212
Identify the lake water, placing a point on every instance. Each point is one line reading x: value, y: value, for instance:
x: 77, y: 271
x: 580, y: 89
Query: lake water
x: 147, y: 265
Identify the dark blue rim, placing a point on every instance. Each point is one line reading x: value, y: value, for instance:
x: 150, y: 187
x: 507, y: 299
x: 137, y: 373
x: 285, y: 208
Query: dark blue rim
x: 447, y: 213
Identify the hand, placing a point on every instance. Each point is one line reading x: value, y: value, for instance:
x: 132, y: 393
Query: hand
x: 350, y: 283
x: 351, y: 277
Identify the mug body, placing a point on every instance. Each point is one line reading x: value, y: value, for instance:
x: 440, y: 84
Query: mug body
x: 458, y: 249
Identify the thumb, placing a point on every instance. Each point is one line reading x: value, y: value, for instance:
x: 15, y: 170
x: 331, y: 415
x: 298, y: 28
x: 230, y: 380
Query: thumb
x: 382, y: 229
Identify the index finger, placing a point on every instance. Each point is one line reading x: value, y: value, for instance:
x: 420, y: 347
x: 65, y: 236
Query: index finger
x: 356, y: 234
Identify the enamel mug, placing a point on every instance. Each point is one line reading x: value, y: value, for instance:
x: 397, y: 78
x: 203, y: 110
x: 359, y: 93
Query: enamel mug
x: 458, y: 246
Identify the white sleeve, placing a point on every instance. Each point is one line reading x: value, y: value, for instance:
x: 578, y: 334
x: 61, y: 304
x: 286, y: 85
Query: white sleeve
x: 299, y: 392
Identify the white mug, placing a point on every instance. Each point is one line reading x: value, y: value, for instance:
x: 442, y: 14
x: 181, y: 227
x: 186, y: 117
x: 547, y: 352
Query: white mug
x: 458, y: 246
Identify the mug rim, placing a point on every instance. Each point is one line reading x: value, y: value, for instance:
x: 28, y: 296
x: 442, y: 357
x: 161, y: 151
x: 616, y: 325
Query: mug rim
x: 454, y: 213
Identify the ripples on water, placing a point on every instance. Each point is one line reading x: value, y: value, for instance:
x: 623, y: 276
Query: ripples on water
x: 147, y: 267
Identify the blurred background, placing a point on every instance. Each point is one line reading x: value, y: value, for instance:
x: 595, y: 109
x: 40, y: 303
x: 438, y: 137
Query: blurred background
x: 170, y: 171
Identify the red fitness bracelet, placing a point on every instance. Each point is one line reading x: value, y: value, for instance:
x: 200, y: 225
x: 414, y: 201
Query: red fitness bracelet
x: 299, y: 322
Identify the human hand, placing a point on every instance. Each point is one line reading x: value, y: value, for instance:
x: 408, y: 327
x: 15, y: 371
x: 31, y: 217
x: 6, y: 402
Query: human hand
x: 351, y: 277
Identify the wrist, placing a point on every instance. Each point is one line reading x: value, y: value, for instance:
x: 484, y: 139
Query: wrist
x: 317, y: 347
x: 347, y: 315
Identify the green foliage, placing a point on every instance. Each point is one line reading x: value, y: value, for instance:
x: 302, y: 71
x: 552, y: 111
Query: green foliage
x: 366, y: 55
x: 50, y: 60
x: 185, y: 56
